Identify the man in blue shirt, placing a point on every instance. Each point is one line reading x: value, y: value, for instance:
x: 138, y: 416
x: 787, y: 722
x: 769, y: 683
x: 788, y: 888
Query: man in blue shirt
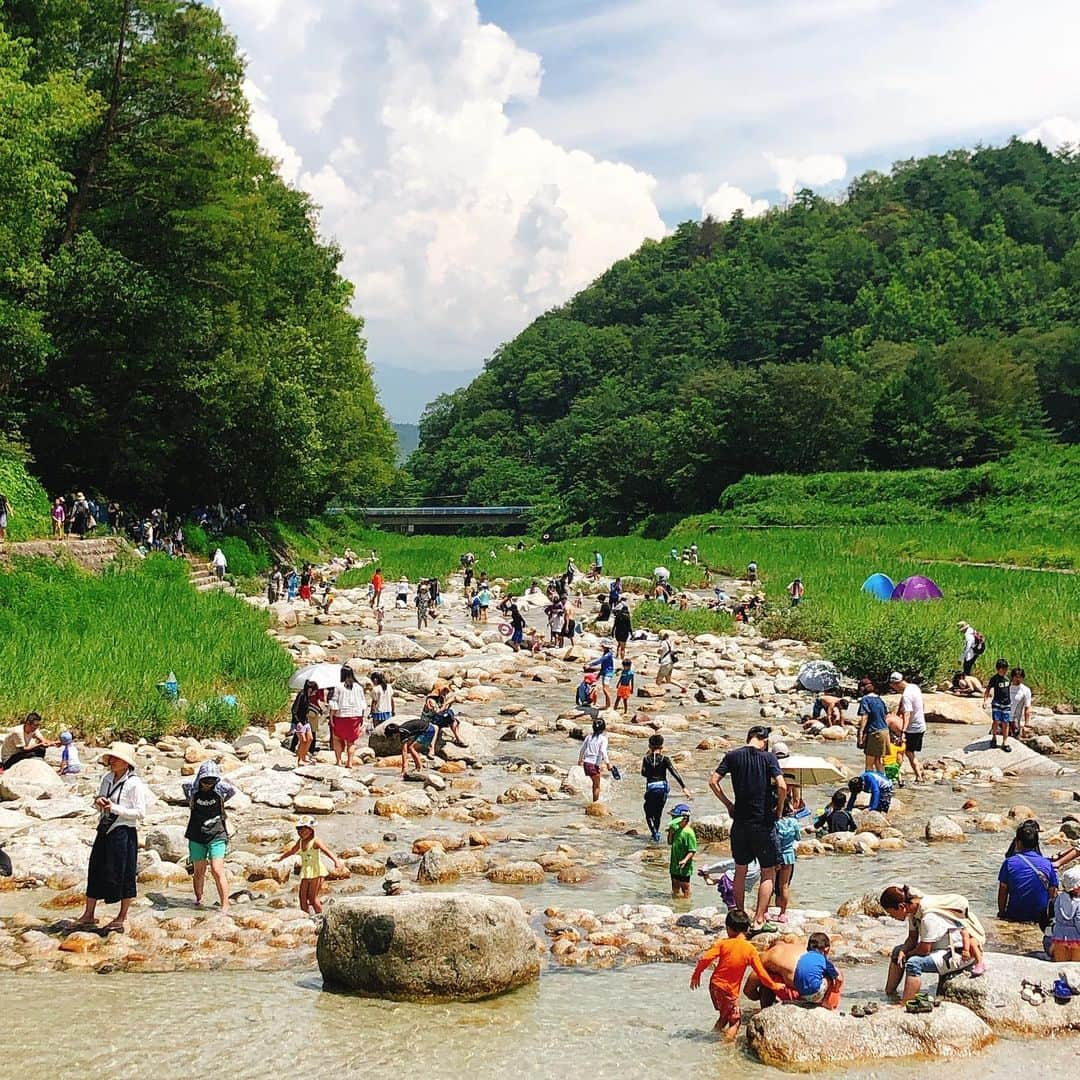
x: 879, y: 787
x: 873, y: 735
x: 817, y: 981
x: 1027, y: 881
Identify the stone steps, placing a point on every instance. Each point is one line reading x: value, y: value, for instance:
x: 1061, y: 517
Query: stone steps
x: 92, y: 554
x: 203, y: 578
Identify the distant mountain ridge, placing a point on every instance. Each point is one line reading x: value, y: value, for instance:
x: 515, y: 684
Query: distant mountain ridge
x: 408, y: 437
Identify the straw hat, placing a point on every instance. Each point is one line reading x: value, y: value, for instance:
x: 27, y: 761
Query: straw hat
x: 122, y: 750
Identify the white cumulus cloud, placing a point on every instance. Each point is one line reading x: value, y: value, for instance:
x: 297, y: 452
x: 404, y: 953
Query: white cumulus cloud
x: 792, y: 174
x: 1055, y: 132
x: 458, y: 224
x: 727, y: 198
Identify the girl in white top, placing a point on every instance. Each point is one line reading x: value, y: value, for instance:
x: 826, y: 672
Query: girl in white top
x: 348, y: 708
x: 594, y: 754
x: 382, y: 699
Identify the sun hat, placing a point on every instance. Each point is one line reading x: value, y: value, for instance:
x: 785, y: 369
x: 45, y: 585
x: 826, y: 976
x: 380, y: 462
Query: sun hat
x: 682, y: 810
x: 1070, y: 879
x: 122, y: 750
x: 305, y: 823
x: 896, y: 677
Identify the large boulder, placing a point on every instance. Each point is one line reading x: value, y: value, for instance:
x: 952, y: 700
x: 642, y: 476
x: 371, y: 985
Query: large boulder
x: 434, y: 947
x: 390, y: 647
x: 1021, y: 761
x: 787, y: 1035
x: 31, y: 778
x: 950, y: 709
x: 942, y: 827
x: 995, y: 996
x: 420, y: 678
x: 168, y: 841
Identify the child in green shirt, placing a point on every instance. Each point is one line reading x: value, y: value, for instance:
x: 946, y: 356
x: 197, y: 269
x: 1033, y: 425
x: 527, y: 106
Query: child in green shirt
x: 683, y: 843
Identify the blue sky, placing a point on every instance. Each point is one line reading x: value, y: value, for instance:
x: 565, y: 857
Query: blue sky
x: 481, y: 160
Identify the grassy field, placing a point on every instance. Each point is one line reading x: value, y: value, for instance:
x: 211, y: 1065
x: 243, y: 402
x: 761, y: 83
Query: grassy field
x: 87, y: 651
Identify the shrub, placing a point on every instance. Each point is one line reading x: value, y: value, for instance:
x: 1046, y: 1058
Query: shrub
x: 895, y: 637
x: 29, y: 517
x: 654, y: 615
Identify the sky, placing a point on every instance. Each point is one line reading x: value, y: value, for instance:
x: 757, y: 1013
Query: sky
x: 480, y: 161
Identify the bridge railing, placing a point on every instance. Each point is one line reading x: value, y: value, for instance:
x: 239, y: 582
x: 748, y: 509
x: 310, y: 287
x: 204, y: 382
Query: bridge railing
x: 433, y: 511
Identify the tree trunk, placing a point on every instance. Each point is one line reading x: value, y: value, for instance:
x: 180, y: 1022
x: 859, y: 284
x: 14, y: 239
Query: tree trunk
x: 86, y: 176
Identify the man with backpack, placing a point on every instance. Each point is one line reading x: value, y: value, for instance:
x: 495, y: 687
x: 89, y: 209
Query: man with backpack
x: 974, y: 646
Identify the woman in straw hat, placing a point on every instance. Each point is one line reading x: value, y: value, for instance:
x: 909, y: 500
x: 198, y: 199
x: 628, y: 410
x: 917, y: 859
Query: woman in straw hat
x: 121, y: 804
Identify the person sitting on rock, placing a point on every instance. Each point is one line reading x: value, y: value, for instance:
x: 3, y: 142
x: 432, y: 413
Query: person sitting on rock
x: 437, y: 711
x: 943, y: 936
x: 879, y: 788
x: 1065, y: 932
x: 585, y: 697
x: 24, y: 741
x: 816, y: 979
x: 1027, y: 880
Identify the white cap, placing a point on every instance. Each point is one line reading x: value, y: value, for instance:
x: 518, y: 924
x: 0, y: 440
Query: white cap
x: 1070, y: 879
x: 780, y: 749
x: 896, y: 677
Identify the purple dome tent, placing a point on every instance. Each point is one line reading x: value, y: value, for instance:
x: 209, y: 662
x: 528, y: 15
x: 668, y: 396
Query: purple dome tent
x: 917, y: 587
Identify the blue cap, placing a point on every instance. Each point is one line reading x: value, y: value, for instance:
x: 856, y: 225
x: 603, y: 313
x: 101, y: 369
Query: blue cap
x: 66, y: 738
x: 682, y: 810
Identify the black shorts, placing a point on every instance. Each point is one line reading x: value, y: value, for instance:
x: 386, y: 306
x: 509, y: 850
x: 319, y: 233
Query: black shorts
x: 751, y: 842
x: 913, y: 741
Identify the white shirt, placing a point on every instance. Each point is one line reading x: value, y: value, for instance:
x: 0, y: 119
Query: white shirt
x: 969, y: 645
x: 128, y: 802
x: 1019, y: 700
x: 937, y: 930
x: 594, y: 750
x: 219, y: 559
x: 349, y: 701
x: 911, y: 705
x: 384, y: 700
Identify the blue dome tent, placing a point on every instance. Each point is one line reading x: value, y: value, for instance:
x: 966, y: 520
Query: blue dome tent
x: 879, y: 585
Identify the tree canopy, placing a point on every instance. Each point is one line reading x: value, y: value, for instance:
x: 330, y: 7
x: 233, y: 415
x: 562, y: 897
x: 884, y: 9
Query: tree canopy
x: 929, y: 318
x: 174, y: 328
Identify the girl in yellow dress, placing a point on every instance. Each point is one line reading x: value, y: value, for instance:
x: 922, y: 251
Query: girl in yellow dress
x: 312, y: 871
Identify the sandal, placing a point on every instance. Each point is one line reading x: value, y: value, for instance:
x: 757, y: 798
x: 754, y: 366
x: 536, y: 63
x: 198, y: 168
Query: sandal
x: 870, y: 1008
x: 858, y: 1010
x: 917, y: 1005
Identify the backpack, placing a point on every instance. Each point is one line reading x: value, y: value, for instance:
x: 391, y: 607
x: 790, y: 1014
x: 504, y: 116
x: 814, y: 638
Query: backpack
x: 980, y: 644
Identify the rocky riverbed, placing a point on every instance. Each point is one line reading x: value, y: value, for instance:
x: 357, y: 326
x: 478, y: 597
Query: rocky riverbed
x: 508, y: 812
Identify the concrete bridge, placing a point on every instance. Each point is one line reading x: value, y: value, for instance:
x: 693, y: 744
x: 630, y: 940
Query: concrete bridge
x: 434, y: 519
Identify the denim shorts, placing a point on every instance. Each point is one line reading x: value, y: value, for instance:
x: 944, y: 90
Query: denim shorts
x: 201, y: 852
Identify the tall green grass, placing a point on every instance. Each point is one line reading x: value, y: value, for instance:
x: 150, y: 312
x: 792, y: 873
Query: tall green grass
x: 29, y: 516
x: 86, y: 651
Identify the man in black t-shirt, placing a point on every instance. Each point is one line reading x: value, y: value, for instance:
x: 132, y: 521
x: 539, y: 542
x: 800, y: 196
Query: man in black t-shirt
x: 997, y: 690
x: 760, y: 790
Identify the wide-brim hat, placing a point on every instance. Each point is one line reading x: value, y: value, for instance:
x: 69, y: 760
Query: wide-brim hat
x: 122, y: 750
x: 305, y: 823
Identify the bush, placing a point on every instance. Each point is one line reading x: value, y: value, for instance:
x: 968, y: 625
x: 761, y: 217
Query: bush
x: 896, y: 637
x: 654, y: 615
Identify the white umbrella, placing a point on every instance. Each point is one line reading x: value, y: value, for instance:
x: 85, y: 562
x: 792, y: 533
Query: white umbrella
x: 802, y: 769
x: 661, y: 573
x: 322, y: 675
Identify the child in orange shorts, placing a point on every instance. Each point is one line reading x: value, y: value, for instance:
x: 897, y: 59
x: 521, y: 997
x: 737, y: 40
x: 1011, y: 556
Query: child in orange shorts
x: 624, y: 690
x: 733, y: 955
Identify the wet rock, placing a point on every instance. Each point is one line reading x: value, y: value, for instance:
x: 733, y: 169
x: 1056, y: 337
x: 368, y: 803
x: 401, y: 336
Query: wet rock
x: 867, y: 904
x: 995, y: 996
x: 434, y: 947
x: 598, y: 809
x: 405, y: 804
x: 1042, y: 744
x: 573, y: 875
x: 713, y: 828
x: 873, y: 821
x: 942, y: 827
x: 517, y: 873
x: 787, y: 1035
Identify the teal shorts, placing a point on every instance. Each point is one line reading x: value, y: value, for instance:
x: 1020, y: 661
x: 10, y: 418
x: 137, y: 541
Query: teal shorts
x: 201, y: 852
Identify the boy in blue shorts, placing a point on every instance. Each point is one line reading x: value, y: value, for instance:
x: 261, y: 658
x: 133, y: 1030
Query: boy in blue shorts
x: 816, y: 981
x: 997, y: 691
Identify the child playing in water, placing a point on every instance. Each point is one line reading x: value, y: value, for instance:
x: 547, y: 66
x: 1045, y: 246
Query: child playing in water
x: 683, y: 841
x: 625, y: 688
x: 733, y: 955
x: 312, y: 871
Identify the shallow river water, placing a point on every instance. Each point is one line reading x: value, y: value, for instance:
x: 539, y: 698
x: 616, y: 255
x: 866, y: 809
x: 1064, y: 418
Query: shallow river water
x: 637, y: 1022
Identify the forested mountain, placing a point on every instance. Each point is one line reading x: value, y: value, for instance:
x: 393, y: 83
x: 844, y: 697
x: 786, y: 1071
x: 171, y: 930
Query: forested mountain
x: 171, y: 326
x: 929, y: 318
x: 408, y: 437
